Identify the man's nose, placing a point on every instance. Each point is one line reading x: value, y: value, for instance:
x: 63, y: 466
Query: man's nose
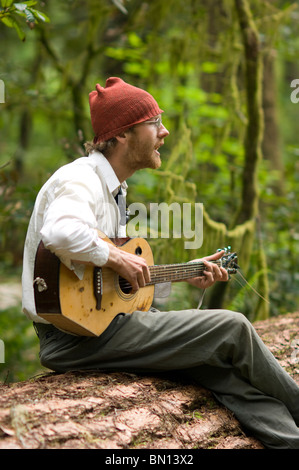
x: 163, y: 132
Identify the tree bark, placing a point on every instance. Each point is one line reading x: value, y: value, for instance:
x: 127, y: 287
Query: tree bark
x: 248, y: 209
x: 100, y: 410
x: 271, y: 145
x: 254, y: 131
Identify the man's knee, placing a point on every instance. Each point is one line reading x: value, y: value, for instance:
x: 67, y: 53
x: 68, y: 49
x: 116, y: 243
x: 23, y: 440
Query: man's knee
x: 235, y: 317
x: 234, y: 322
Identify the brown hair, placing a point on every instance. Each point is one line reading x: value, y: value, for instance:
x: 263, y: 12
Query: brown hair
x: 103, y: 147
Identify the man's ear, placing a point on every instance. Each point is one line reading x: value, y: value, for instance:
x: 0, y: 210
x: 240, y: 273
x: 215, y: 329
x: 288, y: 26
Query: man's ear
x: 122, y: 138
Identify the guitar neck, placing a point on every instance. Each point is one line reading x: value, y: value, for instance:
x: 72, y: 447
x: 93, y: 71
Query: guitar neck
x: 177, y: 272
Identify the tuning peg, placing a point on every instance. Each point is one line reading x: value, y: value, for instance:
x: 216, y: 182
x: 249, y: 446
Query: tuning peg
x: 227, y: 249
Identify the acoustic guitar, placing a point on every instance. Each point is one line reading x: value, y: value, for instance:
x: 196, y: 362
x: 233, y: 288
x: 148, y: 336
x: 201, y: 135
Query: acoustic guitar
x: 86, y: 307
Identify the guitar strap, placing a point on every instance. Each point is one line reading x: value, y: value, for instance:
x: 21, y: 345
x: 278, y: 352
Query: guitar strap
x: 201, y: 299
x: 121, y: 202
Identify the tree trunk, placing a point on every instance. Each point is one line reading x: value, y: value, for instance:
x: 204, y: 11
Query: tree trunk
x: 271, y: 145
x: 254, y: 131
x: 253, y: 137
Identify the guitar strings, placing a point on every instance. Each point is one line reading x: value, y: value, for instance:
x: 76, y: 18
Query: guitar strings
x: 172, y: 272
x: 194, y: 265
x: 250, y: 286
x: 181, y: 269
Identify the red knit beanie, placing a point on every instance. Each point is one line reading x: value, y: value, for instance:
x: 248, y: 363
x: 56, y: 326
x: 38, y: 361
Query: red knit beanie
x: 118, y: 107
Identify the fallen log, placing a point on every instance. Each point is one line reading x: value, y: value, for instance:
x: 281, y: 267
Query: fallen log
x: 99, y: 410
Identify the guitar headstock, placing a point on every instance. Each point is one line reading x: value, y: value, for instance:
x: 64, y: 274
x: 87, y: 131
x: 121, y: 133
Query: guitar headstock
x: 229, y: 260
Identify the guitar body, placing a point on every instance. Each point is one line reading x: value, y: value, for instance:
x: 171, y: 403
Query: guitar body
x: 86, y: 307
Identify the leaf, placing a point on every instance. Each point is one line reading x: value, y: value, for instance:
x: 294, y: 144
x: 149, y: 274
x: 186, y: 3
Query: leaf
x: 20, y: 6
x: 209, y: 67
x: 8, y: 22
x: 30, y: 3
x: 6, y: 3
x: 20, y: 32
x: 11, y: 23
x: 29, y: 16
x: 134, y: 40
x: 40, y: 15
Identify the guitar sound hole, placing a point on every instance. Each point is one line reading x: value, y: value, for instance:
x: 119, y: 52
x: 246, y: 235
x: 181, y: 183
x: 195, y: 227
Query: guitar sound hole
x: 125, y: 286
x: 138, y: 251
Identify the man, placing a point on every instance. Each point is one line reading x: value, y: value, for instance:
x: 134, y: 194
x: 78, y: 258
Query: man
x: 218, y: 348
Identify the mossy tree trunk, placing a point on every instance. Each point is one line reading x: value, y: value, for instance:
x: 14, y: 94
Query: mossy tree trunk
x: 254, y: 132
x: 248, y: 210
x: 271, y: 145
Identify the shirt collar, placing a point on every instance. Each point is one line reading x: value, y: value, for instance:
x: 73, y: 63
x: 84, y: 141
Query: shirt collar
x: 107, y: 171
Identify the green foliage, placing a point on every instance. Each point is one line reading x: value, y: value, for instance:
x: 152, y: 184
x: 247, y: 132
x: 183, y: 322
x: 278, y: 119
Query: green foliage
x: 16, y: 203
x: 11, y: 12
x: 21, y: 346
x: 190, y: 56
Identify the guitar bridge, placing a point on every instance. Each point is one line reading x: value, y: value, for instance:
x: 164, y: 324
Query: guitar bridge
x: 98, y: 286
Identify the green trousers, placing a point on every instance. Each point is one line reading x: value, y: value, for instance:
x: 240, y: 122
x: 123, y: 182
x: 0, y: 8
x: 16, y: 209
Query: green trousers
x: 218, y: 348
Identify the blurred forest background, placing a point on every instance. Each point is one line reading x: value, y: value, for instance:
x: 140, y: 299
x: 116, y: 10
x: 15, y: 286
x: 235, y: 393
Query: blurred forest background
x: 226, y: 72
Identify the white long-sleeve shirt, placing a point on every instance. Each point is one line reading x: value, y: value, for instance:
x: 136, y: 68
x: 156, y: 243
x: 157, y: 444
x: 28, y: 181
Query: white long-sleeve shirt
x: 73, y: 204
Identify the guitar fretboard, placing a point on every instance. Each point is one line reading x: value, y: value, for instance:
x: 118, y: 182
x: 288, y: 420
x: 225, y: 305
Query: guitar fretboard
x: 177, y: 272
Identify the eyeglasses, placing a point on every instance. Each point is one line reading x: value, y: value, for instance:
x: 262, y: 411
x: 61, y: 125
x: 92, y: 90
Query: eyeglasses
x: 157, y: 122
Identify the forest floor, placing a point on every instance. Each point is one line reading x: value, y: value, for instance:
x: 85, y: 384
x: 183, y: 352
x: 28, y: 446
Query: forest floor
x: 103, y: 410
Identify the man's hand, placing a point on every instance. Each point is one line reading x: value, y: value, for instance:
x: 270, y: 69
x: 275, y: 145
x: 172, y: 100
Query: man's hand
x: 131, y: 267
x: 134, y: 269
x: 212, y: 272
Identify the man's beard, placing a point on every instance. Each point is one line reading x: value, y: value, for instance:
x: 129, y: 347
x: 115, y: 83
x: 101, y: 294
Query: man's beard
x: 141, y: 154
